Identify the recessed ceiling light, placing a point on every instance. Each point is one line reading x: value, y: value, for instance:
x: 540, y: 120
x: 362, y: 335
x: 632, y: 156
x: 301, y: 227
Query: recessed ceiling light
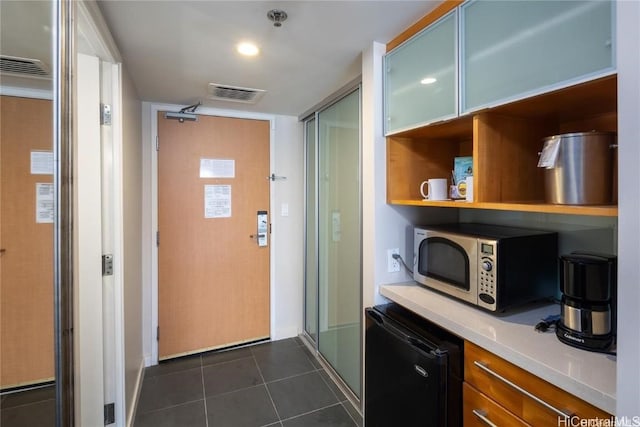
x: 428, y: 80
x: 247, y: 49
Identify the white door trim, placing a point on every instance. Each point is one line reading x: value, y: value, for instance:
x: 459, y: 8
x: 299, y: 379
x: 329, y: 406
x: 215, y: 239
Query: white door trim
x: 151, y: 209
x: 98, y: 42
x: 88, y: 355
x: 113, y: 292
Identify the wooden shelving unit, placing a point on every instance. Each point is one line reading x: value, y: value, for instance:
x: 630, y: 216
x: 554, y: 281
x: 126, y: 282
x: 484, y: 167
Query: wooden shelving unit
x: 504, y: 142
x: 604, y: 210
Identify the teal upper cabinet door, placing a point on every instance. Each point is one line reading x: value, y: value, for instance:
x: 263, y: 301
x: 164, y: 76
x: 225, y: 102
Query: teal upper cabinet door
x: 518, y: 48
x: 421, y: 77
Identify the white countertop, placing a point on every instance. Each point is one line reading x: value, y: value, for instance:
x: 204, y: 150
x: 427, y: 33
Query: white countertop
x: 587, y: 375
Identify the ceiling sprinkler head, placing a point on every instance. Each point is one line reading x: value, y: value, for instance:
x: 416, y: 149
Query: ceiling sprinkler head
x: 277, y: 17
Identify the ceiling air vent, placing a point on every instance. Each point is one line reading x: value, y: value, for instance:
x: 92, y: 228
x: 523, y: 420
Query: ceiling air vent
x: 234, y: 93
x: 23, y: 66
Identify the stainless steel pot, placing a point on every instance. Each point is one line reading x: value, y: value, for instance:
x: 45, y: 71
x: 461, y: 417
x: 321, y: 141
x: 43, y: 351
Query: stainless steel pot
x: 581, y: 172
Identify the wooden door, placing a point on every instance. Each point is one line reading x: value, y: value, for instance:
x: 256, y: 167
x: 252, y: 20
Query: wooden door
x: 26, y: 240
x: 213, y: 277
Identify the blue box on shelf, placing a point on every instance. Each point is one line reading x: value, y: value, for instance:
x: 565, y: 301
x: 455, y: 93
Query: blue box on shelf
x: 462, y: 168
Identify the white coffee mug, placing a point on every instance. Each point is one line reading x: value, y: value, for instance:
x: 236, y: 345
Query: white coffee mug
x: 469, y: 195
x: 436, y: 189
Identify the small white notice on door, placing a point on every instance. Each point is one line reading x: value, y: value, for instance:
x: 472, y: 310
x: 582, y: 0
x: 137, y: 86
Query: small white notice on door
x: 41, y: 163
x: 217, y: 201
x: 44, y: 203
x: 217, y: 168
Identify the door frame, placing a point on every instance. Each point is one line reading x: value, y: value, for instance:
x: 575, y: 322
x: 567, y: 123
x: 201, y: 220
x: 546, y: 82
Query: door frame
x: 97, y: 41
x: 149, y: 232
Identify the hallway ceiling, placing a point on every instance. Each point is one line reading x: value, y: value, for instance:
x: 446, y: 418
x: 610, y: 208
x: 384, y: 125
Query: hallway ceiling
x: 174, y: 49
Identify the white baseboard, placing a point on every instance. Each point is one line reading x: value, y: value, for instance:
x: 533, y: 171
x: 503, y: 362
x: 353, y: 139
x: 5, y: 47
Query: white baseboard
x: 148, y: 361
x: 131, y: 416
x: 282, y: 333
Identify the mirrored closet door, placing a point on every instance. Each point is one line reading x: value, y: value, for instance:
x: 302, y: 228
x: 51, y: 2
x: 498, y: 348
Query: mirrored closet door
x: 333, y: 237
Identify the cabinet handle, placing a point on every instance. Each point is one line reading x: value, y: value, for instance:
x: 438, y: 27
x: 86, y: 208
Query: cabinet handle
x: 486, y: 369
x: 483, y: 417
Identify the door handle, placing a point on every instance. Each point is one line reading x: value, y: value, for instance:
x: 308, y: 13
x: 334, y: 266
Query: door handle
x: 482, y: 415
x: 499, y: 377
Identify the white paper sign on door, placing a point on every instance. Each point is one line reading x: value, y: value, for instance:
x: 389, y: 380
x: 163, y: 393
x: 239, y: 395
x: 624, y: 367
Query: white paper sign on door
x: 217, y: 201
x: 217, y: 168
x: 41, y: 163
x: 44, y: 203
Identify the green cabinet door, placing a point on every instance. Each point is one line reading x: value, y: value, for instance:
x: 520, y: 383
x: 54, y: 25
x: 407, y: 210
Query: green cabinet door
x: 519, y: 48
x: 421, y: 77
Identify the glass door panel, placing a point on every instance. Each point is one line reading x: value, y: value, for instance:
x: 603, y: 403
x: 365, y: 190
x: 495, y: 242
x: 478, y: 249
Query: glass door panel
x: 27, y: 212
x: 421, y: 78
x: 513, y: 49
x: 311, y: 241
x: 339, y: 238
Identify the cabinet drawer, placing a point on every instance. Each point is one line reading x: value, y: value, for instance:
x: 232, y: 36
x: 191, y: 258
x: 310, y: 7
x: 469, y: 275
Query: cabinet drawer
x: 520, y: 392
x: 479, y: 410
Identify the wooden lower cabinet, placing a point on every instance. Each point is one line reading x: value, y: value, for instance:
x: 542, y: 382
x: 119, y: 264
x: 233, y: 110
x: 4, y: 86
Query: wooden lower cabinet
x: 507, y: 395
x: 479, y: 410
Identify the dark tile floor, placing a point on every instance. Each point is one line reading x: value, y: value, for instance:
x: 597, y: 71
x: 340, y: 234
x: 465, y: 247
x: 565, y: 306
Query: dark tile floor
x: 272, y: 384
x: 30, y: 408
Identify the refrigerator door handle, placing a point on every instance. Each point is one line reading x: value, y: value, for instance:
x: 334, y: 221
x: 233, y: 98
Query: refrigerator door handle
x: 426, y: 348
x: 375, y: 316
x: 422, y: 347
x: 421, y: 371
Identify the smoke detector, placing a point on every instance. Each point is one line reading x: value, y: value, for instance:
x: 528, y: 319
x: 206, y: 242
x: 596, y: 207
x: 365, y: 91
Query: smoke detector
x: 277, y: 16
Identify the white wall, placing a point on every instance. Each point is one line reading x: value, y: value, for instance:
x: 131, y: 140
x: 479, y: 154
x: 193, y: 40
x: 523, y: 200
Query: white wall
x: 287, y: 250
x: 628, y: 53
x: 288, y: 231
x: 384, y: 226
x: 132, y: 242
x: 381, y: 228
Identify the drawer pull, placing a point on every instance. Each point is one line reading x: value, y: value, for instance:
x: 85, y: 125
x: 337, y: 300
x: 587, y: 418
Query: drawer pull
x: 483, y: 417
x: 486, y: 369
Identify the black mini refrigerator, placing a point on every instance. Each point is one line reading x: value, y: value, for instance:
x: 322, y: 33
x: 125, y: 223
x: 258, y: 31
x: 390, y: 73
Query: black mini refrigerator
x: 413, y: 370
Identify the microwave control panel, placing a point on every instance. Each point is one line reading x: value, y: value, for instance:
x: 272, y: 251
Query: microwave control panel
x: 487, y: 274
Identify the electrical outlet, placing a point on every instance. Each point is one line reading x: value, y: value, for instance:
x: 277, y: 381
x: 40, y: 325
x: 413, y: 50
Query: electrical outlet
x: 393, y: 265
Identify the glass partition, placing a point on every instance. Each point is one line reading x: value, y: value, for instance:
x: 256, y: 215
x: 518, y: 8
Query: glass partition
x: 339, y: 238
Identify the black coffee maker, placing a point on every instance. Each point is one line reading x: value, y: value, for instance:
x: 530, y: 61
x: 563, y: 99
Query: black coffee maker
x: 588, y: 311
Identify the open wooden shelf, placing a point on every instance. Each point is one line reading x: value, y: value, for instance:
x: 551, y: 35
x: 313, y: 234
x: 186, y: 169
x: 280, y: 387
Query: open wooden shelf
x: 605, y: 210
x: 504, y: 142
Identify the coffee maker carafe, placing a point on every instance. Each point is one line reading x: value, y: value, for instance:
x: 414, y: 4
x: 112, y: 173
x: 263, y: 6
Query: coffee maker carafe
x: 588, y: 309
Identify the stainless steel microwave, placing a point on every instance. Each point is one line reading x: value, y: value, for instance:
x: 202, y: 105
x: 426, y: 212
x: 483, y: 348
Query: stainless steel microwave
x: 492, y: 267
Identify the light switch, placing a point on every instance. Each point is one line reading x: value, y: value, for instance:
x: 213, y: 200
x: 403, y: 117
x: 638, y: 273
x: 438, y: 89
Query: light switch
x: 284, y: 210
